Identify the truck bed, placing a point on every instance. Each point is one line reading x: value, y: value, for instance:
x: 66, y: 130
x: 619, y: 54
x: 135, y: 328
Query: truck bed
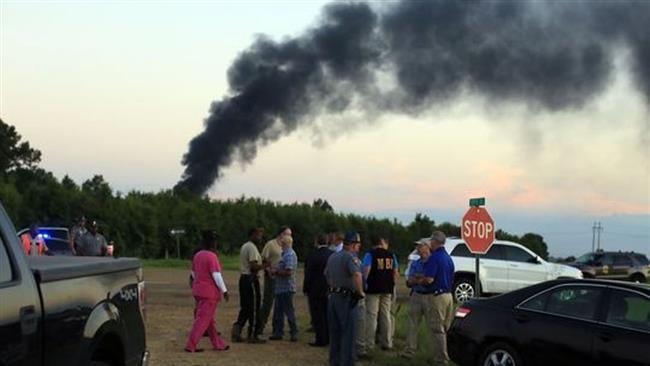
x: 55, y: 268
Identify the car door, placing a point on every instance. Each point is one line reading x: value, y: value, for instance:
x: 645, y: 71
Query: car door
x: 19, y: 312
x: 604, y: 263
x: 523, y: 268
x: 621, y: 266
x: 623, y: 335
x: 556, y: 327
x: 495, y: 269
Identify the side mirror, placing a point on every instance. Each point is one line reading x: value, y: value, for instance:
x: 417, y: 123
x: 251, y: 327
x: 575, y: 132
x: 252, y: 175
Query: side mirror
x: 535, y: 260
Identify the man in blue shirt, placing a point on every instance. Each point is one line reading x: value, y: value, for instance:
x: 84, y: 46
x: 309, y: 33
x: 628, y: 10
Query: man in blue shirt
x: 439, y: 277
x: 285, y: 289
x: 419, y: 306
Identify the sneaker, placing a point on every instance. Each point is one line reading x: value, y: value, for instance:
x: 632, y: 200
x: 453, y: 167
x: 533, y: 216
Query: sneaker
x: 256, y: 340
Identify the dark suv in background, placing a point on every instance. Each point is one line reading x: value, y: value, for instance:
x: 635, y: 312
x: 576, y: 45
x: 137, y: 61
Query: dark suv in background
x: 614, y: 265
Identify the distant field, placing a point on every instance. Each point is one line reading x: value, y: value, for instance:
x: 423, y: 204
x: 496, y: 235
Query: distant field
x: 228, y: 263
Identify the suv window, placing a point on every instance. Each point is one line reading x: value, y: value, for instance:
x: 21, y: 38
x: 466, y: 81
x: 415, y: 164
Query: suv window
x: 574, y: 301
x: 496, y: 252
x: 518, y: 255
x: 642, y: 259
x: 628, y: 309
x: 461, y: 250
x: 605, y: 259
x: 6, y: 273
x: 622, y: 260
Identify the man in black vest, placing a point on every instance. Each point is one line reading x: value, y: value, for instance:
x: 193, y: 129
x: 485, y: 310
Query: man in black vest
x: 381, y: 270
x: 316, y: 288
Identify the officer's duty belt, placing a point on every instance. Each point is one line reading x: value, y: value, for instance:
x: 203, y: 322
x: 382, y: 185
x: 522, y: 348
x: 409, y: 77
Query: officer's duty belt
x: 341, y: 290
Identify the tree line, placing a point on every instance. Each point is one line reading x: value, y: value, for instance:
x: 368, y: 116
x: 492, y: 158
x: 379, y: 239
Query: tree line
x: 140, y: 223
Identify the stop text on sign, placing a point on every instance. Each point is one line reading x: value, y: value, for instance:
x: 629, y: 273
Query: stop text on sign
x: 477, y: 229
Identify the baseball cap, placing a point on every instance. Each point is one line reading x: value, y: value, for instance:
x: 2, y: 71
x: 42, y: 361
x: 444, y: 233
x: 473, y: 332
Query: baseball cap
x: 423, y: 241
x: 351, y: 237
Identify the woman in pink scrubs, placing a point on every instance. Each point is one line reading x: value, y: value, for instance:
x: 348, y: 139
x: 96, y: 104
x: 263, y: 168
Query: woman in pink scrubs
x: 208, y: 289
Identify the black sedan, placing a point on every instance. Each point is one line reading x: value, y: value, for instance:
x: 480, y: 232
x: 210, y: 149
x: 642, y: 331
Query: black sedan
x: 561, y: 322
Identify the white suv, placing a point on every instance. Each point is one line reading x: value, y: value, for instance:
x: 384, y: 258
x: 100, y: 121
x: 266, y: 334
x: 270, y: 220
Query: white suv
x: 505, y: 267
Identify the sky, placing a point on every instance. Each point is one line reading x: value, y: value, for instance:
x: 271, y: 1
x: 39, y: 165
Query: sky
x: 120, y: 88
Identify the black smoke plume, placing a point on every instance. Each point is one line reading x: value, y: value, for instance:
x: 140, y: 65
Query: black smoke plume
x: 553, y: 55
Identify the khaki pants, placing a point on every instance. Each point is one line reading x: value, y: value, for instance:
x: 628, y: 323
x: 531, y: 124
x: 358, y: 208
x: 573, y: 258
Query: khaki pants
x: 419, y: 307
x: 378, y: 309
x: 393, y: 316
x: 441, y: 315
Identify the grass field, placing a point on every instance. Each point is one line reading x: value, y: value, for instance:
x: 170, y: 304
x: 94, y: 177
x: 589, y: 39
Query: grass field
x: 169, y: 318
x: 228, y: 263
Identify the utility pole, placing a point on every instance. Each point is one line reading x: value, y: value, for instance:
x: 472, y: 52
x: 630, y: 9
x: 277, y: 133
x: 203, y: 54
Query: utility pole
x: 593, y: 237
x: 600, y: 230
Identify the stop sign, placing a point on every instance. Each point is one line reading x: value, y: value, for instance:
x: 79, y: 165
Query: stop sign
x: 478, y: 230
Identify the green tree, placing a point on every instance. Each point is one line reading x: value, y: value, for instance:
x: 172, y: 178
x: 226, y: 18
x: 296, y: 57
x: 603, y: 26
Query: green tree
x: 421, y: 226
x: 535, y: 242
x: 15, y: 154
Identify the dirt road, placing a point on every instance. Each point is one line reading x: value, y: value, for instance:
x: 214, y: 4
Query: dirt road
x: 169, y: 318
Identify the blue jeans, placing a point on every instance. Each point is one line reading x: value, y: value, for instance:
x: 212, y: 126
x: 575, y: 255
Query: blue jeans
x: 284, y: 306
x: 342, y: 315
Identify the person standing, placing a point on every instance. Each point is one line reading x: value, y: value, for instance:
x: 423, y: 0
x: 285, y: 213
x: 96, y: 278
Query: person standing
x: 250, y: 263
x: 285, y: 289
x: 336, y: 243
x: 271, y: 254
x: 380, y: 271
x: 76, y: 232
x: 343, y: 273
x: 208, y: 288
x: 418, y: 305
x: 92, y: 243
x: 439, y: 276
x: 33, y: 242
x: 316, y: 289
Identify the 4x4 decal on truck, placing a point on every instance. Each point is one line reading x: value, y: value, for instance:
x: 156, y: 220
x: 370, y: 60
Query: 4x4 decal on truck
x: 129, y: 294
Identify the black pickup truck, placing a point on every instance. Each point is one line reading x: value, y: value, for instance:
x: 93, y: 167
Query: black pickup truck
x: 69, y: 310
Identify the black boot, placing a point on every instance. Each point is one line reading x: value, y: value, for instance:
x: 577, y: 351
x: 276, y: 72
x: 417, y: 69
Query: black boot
x: 235, y: 334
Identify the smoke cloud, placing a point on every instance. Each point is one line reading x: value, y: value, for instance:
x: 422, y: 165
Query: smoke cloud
x: 549, y: 55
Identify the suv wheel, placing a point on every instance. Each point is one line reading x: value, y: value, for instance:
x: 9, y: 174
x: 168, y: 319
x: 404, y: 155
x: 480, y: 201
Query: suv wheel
x: 638, y: 278
x: 464, y: 289
x: 500, y: 354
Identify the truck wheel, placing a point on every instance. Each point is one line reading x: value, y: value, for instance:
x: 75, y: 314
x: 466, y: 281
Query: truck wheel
x: 500, y: 354
x: 464, y: 289
x: 638, y: 278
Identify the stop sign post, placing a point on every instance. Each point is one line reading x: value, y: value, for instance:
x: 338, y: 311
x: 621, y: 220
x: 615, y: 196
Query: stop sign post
x: 478, y: 231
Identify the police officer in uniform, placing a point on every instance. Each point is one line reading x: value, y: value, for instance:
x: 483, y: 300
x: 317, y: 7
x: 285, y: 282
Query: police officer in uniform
x: 343, y: 273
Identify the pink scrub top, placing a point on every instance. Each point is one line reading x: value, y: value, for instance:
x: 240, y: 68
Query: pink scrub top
x: 204, y: 264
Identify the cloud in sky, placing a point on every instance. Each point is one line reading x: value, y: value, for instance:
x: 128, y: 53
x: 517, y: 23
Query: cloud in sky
x: 136, y: 85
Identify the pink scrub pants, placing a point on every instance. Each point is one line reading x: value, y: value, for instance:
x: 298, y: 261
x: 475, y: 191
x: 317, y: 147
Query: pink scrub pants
x: 204, y: 320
